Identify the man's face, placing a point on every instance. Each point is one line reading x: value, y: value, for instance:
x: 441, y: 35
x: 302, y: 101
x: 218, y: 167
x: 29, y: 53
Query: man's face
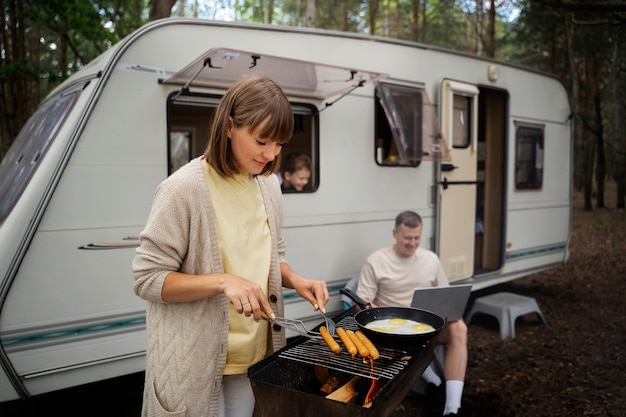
x: 407, y: 239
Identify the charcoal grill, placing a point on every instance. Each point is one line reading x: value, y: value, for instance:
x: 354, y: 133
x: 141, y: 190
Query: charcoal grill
x: 285, y: 385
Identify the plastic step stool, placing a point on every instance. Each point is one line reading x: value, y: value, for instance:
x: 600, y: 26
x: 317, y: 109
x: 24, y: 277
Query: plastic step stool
x: 506, y: 307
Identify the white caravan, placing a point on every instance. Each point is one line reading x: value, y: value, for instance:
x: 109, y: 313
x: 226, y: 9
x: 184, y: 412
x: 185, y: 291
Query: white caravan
x: 481, y: 149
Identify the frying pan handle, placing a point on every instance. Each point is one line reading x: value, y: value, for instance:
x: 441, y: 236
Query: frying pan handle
x: 358, y: 300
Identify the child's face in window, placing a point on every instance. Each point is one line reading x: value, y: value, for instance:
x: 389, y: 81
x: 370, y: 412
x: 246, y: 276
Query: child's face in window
x: 297, y: 180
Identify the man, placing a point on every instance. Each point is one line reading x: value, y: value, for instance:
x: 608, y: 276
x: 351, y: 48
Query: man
x: 390, y: 276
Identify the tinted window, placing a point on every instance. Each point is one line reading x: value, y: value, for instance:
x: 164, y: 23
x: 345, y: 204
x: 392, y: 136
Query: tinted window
x: 30, y: 146
x: 190, y: 117
x: 461, y: 121
x: 529, y: 157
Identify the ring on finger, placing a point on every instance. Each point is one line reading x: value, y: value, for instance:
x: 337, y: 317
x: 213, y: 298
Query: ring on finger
x: 243, y: 304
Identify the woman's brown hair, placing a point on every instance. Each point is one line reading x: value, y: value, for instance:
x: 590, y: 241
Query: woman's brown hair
x: 249, y: 102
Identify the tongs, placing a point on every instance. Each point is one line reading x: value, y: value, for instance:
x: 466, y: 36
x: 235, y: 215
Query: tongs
x: 330, y: 324
x: 293, y: 324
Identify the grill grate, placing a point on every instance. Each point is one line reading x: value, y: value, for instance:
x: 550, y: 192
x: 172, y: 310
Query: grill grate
x: 287, y: 388
x: 316, y: 352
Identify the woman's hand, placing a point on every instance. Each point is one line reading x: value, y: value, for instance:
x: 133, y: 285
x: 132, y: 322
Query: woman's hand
x: 247, y: 297
x: 313, y: 291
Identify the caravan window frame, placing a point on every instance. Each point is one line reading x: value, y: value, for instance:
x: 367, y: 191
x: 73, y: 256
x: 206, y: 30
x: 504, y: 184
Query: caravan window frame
x: 529, y: 156
x: 188, y: 123
x: 462, y: 118
x: 406, y: 125
x: 32, y: 143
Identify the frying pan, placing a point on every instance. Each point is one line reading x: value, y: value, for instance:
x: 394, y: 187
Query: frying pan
x: 369, y: 314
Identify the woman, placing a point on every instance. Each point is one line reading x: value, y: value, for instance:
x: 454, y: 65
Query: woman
x: 211, y: 262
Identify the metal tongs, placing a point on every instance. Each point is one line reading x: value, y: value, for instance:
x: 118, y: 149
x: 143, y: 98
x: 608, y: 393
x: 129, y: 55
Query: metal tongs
x: 330, y: 324
x: 293, y: 324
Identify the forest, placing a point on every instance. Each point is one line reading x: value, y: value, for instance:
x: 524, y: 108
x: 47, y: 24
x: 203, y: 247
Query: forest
x: 43, y: 42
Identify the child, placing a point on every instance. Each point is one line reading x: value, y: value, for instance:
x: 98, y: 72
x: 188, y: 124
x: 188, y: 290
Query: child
x: 296, y: 172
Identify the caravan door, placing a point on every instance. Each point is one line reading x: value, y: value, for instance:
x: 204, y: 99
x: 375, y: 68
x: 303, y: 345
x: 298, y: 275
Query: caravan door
x: 457, y: 208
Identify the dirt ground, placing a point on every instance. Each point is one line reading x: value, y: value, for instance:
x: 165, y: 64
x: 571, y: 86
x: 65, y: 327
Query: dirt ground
x: 574, y: 366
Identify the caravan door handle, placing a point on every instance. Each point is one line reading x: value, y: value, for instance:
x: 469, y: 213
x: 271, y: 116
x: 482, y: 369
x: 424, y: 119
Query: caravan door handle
x: 447, y: 183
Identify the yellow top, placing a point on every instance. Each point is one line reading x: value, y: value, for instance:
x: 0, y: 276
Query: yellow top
x: 245, y: 245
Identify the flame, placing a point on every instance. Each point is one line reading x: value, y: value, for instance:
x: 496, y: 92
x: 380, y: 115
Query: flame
x: 375, y: 387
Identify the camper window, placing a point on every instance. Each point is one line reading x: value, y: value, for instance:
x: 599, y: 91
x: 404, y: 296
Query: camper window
x: 180, y: 149
x: 407, y: 131
x: 462, y: 121
x: 22, y: 159
x: 529, y: 156
x: 305, y: 141
x: 189, y: 118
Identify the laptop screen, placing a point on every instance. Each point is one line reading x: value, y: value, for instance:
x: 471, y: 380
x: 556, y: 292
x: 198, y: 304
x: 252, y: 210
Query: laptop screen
x: 447, y: 302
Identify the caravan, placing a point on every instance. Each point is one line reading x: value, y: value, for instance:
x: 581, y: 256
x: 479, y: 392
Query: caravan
x: 481, y: 149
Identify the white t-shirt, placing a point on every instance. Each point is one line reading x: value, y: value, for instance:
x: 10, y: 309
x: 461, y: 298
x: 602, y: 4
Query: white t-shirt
x: 389, y: 280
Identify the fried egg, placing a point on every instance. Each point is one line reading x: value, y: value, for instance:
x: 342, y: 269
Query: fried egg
x: 399, y: 326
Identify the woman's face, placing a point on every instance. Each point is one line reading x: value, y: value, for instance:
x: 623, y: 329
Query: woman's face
x: 252, y: 152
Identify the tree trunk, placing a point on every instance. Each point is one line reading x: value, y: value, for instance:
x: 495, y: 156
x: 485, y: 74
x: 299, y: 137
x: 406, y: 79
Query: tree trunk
x: 15, y: 101
x: 600, y: 173
x: 385, y: 19
x: 491, y: 30
x: 601, y: 160
x: 160, y: 9
x: 424, y: 21
x: 397, y: 19
x: 589, y: 134
x: 415, y: 18
x: 373, y: 12
x: 309, y: 17
x: 63, y: 48
x: 587, y: 165
x: 5, y: 133
x: 35, y: 47
x: 270, y: 11
x: 618, y: 120
x: 589, y: 139
x: 574, y: 97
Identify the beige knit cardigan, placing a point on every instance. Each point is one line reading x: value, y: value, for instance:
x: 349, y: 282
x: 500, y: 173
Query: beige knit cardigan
x: 186, y: 347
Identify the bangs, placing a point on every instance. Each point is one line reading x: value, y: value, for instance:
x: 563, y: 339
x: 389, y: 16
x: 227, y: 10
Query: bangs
x: 274, y: 116
x: 279, y: 126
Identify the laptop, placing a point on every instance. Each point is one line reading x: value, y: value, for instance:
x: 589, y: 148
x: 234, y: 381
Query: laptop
x: 447, y: 302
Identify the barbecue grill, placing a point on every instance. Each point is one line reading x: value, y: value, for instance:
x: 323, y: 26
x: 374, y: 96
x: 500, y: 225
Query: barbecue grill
x: 285, y: 384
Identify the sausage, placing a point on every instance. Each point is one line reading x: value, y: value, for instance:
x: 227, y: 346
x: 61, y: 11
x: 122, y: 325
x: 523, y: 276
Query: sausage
x: 363, y: 351
x: 347, y: 342
x: 330, y: 341
x: 374, y: 354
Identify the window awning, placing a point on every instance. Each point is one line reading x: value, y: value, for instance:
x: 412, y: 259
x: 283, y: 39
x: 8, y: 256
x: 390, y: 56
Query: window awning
x: 221, y: 67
